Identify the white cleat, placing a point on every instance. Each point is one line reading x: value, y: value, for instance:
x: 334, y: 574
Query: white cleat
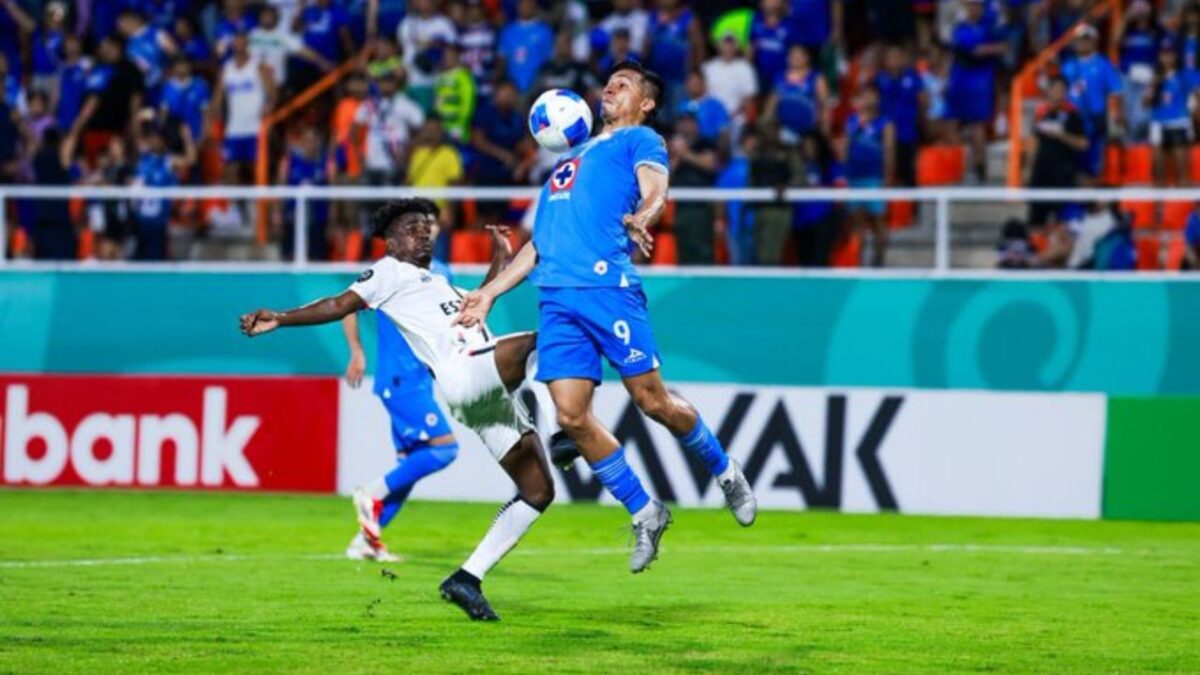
x: 646, y: 533
x: 368, y: 510
x: 738, y: 495
x: 361, y: 549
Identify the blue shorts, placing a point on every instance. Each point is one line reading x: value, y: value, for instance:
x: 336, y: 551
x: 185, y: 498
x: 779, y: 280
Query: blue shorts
x: 243, y: 149
x: 970, y: 104
x: 416, y: 418
x: 577, y: 325
x: 874, y: 207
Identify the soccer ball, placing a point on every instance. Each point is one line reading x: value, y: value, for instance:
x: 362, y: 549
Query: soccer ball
x: 560, y: 120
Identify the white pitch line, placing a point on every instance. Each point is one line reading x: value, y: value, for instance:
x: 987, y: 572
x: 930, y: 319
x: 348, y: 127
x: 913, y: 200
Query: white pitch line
x: 1004, y: 549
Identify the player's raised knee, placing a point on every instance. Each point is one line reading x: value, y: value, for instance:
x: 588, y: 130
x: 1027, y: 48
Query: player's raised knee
x: 539, y: 497
x: 572, y: 421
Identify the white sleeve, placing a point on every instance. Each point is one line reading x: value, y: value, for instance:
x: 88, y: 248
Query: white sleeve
x: 378, y: 283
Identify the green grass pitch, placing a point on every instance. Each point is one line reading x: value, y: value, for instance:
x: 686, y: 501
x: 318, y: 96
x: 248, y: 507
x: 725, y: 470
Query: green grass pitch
x: 154, y: 581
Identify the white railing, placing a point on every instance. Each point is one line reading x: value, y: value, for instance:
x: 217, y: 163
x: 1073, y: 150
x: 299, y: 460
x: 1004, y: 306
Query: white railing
x: 942, y: 198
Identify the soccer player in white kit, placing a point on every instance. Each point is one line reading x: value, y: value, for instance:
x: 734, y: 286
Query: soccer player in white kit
x: 475, y: 371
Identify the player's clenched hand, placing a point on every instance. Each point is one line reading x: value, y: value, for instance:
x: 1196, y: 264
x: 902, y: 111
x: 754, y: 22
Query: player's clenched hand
x: 639, y: 232
x: 475, y: 308
x: 356, y: 369
x: 500, y: 239
x: 259, y: 322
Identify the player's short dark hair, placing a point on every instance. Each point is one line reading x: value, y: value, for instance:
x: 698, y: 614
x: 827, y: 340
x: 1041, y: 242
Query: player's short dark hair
x: 386, y: 215
x: 650, y: 79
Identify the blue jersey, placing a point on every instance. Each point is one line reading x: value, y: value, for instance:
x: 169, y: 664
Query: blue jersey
x: 1091, y: 80
x: 771, y: 45
x: 864, y: 155
x: 900, y: 102
x: 797, y: 109
x: 187, y: 101
x: 525, y: 46
x: 813, y: 21
x: 1171, y: 104
x: 971, y: 72
x: 578, y: 229
x: 47, y: 51
x: 304, y: 171
x: 72, y: 89
x: 145, y: 52
x: 710, y: 114
x: 1191, y: 233
x: 321, y: 28
x: 670, y: 49
x: 396, y: 366
x: 1139, y: 47
x: 226, y: 28
x: 154, y: 171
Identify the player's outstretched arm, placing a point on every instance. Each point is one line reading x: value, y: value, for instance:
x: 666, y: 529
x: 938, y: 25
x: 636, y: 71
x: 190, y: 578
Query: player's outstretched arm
x: 478, y: 303
x: 357, y: 367
x: 501, y: 251
x: 320, y: 311
x: 652, y: 183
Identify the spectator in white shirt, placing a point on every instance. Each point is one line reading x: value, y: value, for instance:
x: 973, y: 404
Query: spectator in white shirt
x: 418, y: 33
x: 390, y: 119
x: 273, y: 41
x: 627, y: 15
x: 730, y: 77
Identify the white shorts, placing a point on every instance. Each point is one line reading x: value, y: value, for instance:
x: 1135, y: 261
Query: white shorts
x: 476, y: 397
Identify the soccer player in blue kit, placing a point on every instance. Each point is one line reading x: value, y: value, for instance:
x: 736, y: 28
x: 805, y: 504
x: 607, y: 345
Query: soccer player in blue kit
x: 591, y: 300
x: 421, y: 436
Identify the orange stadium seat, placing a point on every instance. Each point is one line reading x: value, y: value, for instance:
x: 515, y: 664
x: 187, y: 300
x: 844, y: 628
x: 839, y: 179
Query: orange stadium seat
x: 1142, y: 213
x: 1137, y: 165
x: 666, y: 249
x: 940, y: 165
x: 470, y: 246
x: 87, y: 244
x: 1176, y: 251
x: 900, y: 214
x: 1194, y: 164
x: 1148, y: 253
x: 354, y: 245
x: 847, y: 253
x: 470, y: 212
x: 1175, y: 215
x: 19, y: 243
x: 1111, y: 174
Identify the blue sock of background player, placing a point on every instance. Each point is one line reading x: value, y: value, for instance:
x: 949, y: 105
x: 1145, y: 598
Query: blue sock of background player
x: 393, y: 488
x: 621, y: 482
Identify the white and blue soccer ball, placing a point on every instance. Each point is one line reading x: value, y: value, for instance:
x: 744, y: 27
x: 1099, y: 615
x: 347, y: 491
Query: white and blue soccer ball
x: 560, y: 120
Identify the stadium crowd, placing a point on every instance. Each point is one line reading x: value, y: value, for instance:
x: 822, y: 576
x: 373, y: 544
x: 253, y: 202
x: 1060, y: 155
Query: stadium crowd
x: 806, y: 93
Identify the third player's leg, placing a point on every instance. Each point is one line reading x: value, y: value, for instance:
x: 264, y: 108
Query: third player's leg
x: 526, y: 465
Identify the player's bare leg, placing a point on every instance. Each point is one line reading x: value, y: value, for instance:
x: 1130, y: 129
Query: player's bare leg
x: 573, y: 402
x: 653, y: 398
x: 526, y: 465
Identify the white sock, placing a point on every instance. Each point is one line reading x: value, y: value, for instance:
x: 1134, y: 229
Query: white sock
x: 377, y: 489
x: 646, y: 511
x: 512, y: 522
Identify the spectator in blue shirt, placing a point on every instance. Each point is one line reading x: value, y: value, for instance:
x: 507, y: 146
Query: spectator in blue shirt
x: 675, y: 46
x: 1170, y: 118
x: 817, y: 23
x: 156, y: 167
x: 71, y: 86
x: 503, y: 151
x: 235, y: 19
x: 800, y: 98
x: 1094, y: 86
x: 147, y: 47
x: 977, y: 46
x: 306, y: 164
x: 902, y: 100
x: 620, y: 49
x: 325, y: 29
x: 771, y: 34
x: 868, y: 154
x: 192, y: 45
x: 525, y: 45
x: 185, y: 99
x: 1138, y: 41
x: 47, y: 48
x: 710, y: 114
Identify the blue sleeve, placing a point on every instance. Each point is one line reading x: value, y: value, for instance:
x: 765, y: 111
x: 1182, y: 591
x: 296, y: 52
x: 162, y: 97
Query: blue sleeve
x: 505, y: 47
x: 647, y: 147
x: 964, y: 38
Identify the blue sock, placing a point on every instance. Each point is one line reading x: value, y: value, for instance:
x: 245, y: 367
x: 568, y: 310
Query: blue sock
x: 419, y: 464
x: 392, y: 506
x: 701, y: 443
x: 621, y: 482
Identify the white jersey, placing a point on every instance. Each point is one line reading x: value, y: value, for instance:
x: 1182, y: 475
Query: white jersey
x: 423, y: 305
x: 245, y: 97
